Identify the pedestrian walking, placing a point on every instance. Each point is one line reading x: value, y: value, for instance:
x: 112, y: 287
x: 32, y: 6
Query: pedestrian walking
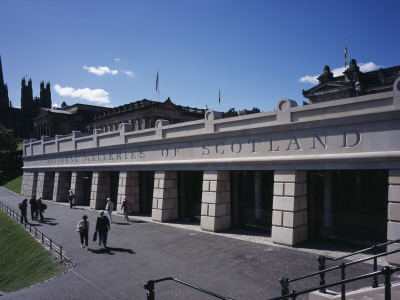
x: 102, y: 227
x: 33, y: 204
x: 125, y: 208
x: 83, y: 229
x: 109, y: 209
x: 40, y: 209
x: 23, y: 206
x: 71, y: 198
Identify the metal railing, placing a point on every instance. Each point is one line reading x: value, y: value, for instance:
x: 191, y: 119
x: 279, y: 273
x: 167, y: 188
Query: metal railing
x: 322, y: 269
x: 149, y: 286
x: 38, y: 235
x: 387, y: 272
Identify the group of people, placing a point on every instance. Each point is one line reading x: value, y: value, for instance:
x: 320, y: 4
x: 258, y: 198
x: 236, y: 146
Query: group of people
x: 37, y: 209
x: 103, y: 224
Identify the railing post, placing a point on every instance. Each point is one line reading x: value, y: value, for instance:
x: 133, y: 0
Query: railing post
x: 387, y: 272
x: 51, y: 245
x: 343, y: 268
x: 285, y: 285
x: 375, y: 278
x: 42, y: 238
x: 61, y: 257
x: 149, y: 286
x: 321, y: 260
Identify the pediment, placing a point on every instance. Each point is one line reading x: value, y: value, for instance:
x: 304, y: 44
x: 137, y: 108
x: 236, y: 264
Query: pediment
x: 328, y: 87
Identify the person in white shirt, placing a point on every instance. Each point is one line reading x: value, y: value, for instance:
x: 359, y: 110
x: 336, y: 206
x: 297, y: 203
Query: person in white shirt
x: 109, y: 209
x: 83, y: 229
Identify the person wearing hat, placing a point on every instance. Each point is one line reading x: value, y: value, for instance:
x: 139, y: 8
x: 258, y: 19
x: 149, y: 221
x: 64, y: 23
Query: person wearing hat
x: 102, y: 227
x: 124, y: 208
x: 109, y: 209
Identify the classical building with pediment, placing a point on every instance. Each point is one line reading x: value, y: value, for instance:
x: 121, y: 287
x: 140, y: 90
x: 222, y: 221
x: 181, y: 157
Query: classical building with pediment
x: 327, y: 169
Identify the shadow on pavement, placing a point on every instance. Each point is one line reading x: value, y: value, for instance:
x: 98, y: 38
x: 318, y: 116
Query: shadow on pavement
x: 110, y: 250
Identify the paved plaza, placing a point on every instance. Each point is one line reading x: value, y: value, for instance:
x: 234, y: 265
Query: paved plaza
x: 237, y: 264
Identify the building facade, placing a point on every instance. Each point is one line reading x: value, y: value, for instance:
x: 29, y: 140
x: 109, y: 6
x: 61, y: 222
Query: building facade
x: 329, y: 168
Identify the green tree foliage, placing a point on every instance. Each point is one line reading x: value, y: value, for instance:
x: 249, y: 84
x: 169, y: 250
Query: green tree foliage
x: 10, y: 158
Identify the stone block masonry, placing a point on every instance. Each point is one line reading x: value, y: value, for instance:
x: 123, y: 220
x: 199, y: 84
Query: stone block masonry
x: 165, y: 196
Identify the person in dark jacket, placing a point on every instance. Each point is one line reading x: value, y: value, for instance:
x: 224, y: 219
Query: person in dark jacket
x: 40, y: 209
x: 23, y: 206
x: 34, y: 206
x: 102, y: 227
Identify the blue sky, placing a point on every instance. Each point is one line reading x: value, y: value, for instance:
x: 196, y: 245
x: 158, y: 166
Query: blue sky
x: 255, y: 52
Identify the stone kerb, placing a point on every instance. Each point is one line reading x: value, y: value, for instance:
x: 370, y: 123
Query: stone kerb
x: 215, y: 206
x: 289, y: 216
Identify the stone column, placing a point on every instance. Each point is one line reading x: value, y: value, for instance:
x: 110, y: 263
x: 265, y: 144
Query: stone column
x: 62, y: 182
x: 129, y: 187
x: 29, y: 183
x: 216, y: 202
x: 393, y: 229
x: 40, y: 185
x: 100, y: 190
x: 289, y: 216
x: 165, y: 196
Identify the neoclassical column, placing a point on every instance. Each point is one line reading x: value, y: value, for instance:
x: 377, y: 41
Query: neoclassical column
x: 62, y: 182
x: 393, y: 227
x: 165, y: 196
x: 100, y: 190
x: 129, y: 187
x: 215, y: 202
x: 289, y: 216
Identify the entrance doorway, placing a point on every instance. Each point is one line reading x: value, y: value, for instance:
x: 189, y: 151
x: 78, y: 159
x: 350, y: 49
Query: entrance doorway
x: 86, y: 187
x: 114, y: 182
x: 190, y: 186
x: 251, y: 199
x: 349, y: 205
x: 146, y: 186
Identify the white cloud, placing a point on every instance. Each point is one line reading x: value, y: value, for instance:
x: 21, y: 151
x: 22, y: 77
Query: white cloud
x: 129, y: 73
x: 100, y: 71
x: 55, y: 106
x: 364, y: 67
x: 97, y: 95
x: 117, y: 60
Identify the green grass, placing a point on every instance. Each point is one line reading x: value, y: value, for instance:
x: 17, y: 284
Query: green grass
x: 14, y: 185
x: 24, y: 261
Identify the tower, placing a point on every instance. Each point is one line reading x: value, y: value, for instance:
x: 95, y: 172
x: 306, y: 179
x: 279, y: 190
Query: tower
x: 4, y: 100
x: 45, y: 95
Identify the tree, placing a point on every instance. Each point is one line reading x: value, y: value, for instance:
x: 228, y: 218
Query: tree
x: 10, y: 158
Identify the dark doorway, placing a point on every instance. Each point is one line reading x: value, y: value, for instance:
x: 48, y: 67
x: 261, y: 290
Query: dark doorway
x: 87, y: 187
x: 114, y: 183
x: 190, y: 186
x: 348, y: 205
x: 251, y: 199
x: 146, y: 187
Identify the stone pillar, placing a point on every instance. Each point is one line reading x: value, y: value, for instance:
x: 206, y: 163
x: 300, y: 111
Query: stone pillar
x: 393, y: 229
x: 215, y: 203
x: 100, y: 190
x: 289, y: 216
x: 40, y: 185
x: 62, y: 182
x: 128, y: 186
x: 165, y: 196
x: 29, y: 183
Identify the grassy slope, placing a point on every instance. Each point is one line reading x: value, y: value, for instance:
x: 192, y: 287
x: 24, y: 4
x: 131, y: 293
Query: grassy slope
x: 14, y: 185
x: 23, y: 261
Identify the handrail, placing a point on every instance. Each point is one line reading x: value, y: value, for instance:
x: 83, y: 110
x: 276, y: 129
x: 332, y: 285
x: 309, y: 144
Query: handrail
x: 38, y: 235
x: 386, y: 271
x: 322, y: 271
x: 373, y: 247
x: 149, y: 286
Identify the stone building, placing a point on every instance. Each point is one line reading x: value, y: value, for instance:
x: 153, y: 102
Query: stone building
x: 328, y: 168
x: 21, y: 119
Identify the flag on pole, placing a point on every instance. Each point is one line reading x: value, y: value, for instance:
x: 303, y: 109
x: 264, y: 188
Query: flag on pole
x: 345, y: 55
x: 157, y: 82
x: 219, y: 96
